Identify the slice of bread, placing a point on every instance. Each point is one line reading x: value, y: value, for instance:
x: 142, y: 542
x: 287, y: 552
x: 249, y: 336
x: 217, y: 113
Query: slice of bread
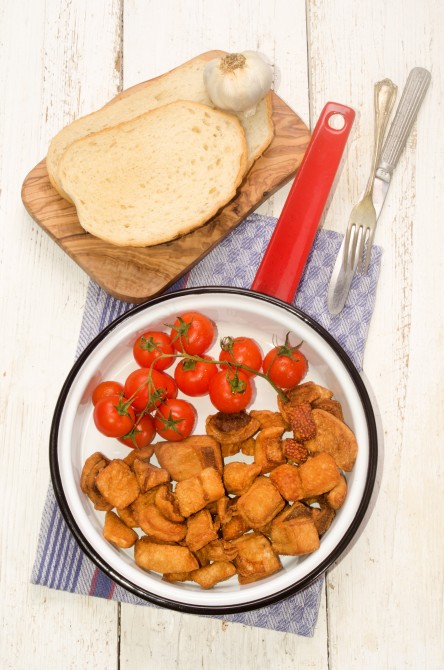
x: 183, y: 83
x: 157, y: 176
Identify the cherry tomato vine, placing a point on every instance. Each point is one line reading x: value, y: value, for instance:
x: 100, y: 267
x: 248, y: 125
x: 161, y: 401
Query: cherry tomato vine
x: 150, y: 389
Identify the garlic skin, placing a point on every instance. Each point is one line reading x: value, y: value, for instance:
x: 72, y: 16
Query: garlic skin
x: 237, y: 82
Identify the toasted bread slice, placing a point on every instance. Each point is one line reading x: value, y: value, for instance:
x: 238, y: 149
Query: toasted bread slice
x: 155, y: 177
x: 182, y: 83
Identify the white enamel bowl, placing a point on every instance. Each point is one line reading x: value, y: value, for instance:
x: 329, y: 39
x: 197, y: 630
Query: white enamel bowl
x: 236, y: 312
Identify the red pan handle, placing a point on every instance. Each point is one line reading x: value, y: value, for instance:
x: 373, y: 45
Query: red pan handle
x: 283, y: 263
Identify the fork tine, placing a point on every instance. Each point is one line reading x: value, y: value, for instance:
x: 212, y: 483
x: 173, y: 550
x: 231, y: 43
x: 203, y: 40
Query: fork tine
x: 362, y: 240
x: 368, y: 251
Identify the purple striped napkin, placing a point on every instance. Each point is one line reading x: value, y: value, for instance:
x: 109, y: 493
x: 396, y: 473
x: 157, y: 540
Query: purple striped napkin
x: 59, y: 562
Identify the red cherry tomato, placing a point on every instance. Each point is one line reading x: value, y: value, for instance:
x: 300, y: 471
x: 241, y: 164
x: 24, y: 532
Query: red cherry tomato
x: 285, y: 365
x: 105, y: 389
x: 175, y: 419
x: 150, y: 346
x: 114, y: 416
x: 170, y: 387
x: 230, y: 391
x: 193, y: 377
x: 145, y: 388
x: 141, y: 434
x: 241, y: 350
x: 193, y: 333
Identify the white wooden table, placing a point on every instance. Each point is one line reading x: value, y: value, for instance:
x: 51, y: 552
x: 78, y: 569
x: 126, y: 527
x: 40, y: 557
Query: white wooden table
x: 382, y: 605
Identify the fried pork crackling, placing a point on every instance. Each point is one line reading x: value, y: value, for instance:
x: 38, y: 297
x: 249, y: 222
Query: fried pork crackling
x: 194, y: 517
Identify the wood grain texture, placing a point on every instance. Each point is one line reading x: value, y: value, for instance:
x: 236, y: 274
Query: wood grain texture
x: 135, y: 274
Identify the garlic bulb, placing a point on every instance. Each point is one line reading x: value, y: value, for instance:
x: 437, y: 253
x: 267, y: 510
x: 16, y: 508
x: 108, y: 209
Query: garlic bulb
x: 237, y: 82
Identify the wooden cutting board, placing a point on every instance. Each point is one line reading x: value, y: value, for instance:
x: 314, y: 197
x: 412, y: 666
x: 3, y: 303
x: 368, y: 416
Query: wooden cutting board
x: 136, y: 274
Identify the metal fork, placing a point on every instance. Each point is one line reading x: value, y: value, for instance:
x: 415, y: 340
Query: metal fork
x: 362, y: 222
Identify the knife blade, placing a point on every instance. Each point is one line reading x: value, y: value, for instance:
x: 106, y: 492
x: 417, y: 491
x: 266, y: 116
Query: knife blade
x: 406, y: 113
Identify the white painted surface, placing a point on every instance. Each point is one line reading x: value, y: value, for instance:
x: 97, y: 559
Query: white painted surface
x: 383, y: 603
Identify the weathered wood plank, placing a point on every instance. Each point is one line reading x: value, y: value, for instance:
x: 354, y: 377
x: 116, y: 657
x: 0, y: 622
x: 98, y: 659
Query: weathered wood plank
x: 385, y: 598
x: 58, y: 60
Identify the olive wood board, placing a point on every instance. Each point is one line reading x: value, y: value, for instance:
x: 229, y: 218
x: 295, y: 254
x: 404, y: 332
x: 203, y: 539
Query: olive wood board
x: 135, y: 274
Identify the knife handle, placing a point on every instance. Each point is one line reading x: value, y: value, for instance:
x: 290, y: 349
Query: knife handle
x: 411, y: 99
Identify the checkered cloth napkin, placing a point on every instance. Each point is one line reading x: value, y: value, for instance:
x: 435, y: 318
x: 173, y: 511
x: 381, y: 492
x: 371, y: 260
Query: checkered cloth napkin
x: 59, y: 563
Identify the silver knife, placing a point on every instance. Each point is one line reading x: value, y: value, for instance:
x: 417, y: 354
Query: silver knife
x: 411, y: 99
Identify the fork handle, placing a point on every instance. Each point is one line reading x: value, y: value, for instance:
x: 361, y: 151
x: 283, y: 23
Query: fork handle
x: 385, y: 94
x: 415, y: 89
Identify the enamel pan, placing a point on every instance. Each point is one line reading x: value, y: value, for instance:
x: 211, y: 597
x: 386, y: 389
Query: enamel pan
x: 263, y: 313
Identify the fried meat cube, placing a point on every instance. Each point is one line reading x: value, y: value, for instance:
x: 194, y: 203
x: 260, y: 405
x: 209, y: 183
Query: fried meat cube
x: 162, y: 557
x: 118, y: 484
x: 90, y: 466
x: 149, y: 476
x: 217, y: 550
x: 165, y: 500
x: 268, y: 452
x: 230, y: 449
x: 93, y: 465
x: 260, y: 503
x: 142, y: 454
x: 294, y: 450
x: 177, y: 577
x: 231, y: 428
x: 189, y: 457
x: 225, y: 508
x: 329, y: 405
x: 153, y: 523
x: 200, y: 530
x: 195, y: 493
x: 334, y: 437
x: 306, y: 392
x: 256, y: 558
x: 234, y: 527
x: 336, y: 496
x: 322, y: 516
x: 293, y: 533
x: 142, y: 501
x: 269, y: 419
x: 319, y: 474
x: 301, y: 422
x: 238, y: 477
x: 212, y: 574
x: 247, y: 447
x: 127, y: 516
x: 117, y: 532
x: 288, y: 482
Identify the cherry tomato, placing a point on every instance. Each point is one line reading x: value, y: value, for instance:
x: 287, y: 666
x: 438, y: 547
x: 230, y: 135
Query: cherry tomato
x: 193, y: 333
x: 175, y: 419
x: 105, y: 389
x: 150, y: 346
x: 141, y: 434
x: 241, y: 350
x: 114, y: 416
x: 193, y: 377
x: 230, y: 391
x: 161, y: 386
x: 285, y: 365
